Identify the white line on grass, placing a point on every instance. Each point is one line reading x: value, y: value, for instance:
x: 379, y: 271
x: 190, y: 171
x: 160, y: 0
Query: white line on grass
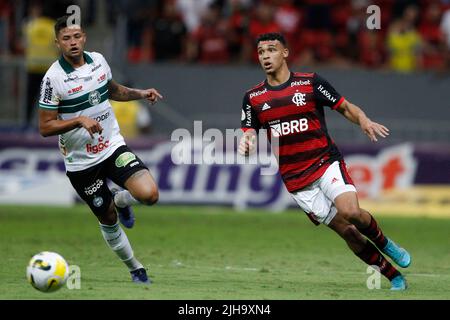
x: 179, y: 264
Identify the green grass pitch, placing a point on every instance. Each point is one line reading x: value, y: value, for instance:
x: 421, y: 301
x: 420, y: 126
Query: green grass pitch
x: 216, y: 253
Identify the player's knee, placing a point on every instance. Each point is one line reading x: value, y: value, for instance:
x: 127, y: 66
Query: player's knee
x: 152, y: 197
x: 148, y: 196
x: 352, y: 214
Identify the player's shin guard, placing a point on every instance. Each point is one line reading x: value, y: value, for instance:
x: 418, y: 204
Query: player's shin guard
x: 124, y: 199
x: 373, y: 257
x: 117, y: 240
x: 374, y: 233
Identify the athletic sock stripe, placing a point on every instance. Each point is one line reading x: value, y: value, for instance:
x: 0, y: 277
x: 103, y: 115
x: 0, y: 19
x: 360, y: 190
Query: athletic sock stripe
x: 390, y: 272
x: 373, y: 257
x: 110, y: 229
x: 374, y: 233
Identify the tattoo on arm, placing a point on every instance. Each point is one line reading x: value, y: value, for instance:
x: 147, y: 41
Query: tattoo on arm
x: 119, y: 92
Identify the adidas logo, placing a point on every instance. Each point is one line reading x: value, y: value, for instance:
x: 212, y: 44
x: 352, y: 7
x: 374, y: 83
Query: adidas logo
x: 265, y: 107
x: 334, y: 180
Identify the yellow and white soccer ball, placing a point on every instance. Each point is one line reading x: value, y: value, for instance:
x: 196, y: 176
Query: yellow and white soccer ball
x: 47, y: 271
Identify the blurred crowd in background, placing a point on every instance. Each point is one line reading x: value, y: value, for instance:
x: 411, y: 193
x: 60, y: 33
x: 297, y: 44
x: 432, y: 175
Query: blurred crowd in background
x: 414, y: 35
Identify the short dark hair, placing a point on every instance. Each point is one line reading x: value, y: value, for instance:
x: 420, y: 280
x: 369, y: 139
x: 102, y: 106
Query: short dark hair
x: 61, y: 23
x: 271, y: 37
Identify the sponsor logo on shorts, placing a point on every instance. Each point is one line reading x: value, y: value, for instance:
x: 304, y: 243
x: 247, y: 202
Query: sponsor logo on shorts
x: 134, y: 164
x: 124, y: 159
x: 93, y: 188
x: 97, y: 202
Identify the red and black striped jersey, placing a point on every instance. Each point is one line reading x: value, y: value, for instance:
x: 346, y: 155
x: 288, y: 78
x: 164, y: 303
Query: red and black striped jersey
x: 294, y: 113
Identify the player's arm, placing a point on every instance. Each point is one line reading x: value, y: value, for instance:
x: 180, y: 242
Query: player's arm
x: 327, y: 95
x: 247, y: 144
x: 50, y: 125
x: 249, y: 124
x: 49, y: 122
x: 119, y: 92
x: 354, y: 114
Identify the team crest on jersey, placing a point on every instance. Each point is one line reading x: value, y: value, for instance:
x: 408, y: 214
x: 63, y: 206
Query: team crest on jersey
x: 94, y: 98
x: 299, y: 99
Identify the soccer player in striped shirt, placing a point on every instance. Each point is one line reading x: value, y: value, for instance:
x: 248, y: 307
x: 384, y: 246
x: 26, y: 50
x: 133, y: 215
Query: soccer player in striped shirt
x: 74, y: 105
x: 290, y: 105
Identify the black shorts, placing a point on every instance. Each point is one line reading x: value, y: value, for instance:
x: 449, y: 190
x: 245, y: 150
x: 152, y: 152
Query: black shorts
x: 90, y: 183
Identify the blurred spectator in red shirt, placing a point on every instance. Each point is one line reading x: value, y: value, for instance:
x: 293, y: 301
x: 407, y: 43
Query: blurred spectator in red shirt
x: 434, y: 45
x: 262, y: 21
x: 209, y: 43
x: 237, y: 12
x: 5, y: 12
x: 288, y: 18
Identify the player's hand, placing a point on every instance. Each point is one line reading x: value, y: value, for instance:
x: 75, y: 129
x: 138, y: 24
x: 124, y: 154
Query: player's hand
x: 151, y: 95
x: 373, y: 129
x: 90, y: 125
x: 247, y: 144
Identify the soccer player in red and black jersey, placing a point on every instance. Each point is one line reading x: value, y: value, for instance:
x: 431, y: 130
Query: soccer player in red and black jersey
x: 290, y: 106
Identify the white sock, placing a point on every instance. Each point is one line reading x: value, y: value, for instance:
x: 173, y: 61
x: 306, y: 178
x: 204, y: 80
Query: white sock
x: 117, y: 240
x: 124, y: 199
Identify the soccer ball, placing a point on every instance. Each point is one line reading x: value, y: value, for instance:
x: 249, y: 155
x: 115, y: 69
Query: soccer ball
x: 47, y: 271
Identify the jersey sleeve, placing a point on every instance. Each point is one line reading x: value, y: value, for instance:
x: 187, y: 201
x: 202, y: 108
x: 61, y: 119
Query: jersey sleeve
x: 48, y: 94
x: 107, y: 69
x: 249, y: 119
x: 325, y: 94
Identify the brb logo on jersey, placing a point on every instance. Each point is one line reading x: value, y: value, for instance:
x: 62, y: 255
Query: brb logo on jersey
x: 289, y: 127
x: 94, y: 98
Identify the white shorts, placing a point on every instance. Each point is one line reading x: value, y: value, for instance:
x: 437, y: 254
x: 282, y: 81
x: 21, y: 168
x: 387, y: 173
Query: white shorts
x: 317, y: 199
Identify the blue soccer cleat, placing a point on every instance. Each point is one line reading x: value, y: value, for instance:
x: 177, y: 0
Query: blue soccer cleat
x: 399, y: 283
x: 140, y: 276
x: 399, y: 255
x: 126, y: 215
